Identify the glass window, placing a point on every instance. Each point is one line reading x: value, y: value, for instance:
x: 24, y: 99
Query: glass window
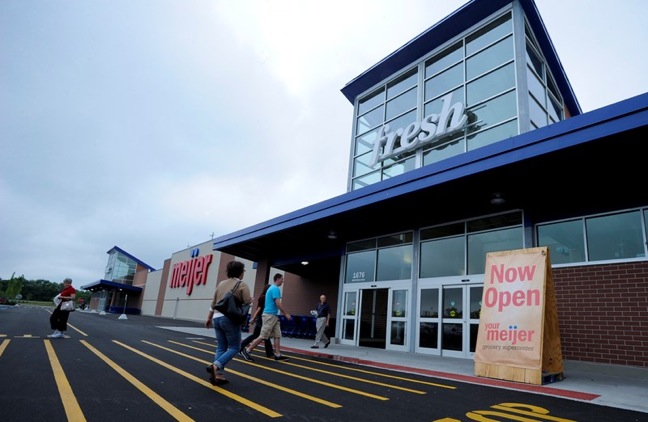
x: 492, y: 135
x: 443, y: 151
x: 617, y: 236
x: 447, y: 57
x: 534, y: 61
x: 370, y: 120
x: 536, y: 88
x: 494, y: 222
x: 402, y: 121
x: 443, y: 257
x: 555, y: 109
x: 395, y: 263
x: 452, y: 303
x: 482, y: 243
x: 372, y: 100
x: 401, y: 104
x: 492, y: 112
x: 444, y: 82
x: 367, y: 180
x: 365, y: 142
x: 429, y: 303
x: 361, y: 245
x: 443, y: 231
x: 429, y: 334
x: 565, y: 241
x: 350, y: 302
x: 120, y: 268
x: 400, y: 167
x: 489, y: 58
x: 361, y: 165
x: 361, y: 267
x: 537, y: 113
x: 402, y: 83
x: 488, y: 34
x: 436, y: 105
x: 491, y: 84
x: 553, y: 89
x: 476, y: 293
x: 399, y: 303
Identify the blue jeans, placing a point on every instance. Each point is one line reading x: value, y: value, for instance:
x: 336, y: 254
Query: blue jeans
x: 228, y: 338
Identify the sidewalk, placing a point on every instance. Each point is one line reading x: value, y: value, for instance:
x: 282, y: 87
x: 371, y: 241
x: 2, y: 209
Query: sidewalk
x: 607, y: 385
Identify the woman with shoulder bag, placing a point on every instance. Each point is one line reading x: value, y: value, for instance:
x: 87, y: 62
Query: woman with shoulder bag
x: 59, y: 318
x: 228, y: 332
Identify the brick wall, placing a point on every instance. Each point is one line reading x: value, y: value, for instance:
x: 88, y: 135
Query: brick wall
x: 603, y: 313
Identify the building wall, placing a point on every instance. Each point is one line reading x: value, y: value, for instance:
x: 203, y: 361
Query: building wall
x: 150, y: 294
x: 603, y: 313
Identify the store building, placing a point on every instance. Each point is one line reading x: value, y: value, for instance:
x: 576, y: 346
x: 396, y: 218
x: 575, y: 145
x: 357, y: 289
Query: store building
x: 466, y: 140
x: 125, y: 275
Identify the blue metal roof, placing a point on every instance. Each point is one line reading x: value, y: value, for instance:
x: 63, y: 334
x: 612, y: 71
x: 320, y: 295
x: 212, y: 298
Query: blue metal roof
x: 454, y: 24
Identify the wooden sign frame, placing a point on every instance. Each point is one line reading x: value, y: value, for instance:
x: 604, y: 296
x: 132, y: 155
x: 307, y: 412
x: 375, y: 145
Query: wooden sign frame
x: 519, y: 335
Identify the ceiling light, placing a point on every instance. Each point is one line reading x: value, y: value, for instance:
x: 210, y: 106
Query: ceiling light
x: 304, y: 262
x: 497, y: 199
x: 332, y: 235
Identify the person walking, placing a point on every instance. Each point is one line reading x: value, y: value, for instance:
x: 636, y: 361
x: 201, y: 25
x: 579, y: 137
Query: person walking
x: 228, y: 332
x: 323, y: 316
x: 271, y: 325
x: 257, y: 321
x: 59, y: 318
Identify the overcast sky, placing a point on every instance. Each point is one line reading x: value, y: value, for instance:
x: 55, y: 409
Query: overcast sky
x: 151, y: 124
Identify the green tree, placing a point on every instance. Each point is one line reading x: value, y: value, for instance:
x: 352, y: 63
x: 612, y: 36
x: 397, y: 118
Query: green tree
x: 14, y: 287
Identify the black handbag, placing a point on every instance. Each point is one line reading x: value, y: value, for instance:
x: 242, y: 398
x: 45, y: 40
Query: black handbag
x: 232, y: 308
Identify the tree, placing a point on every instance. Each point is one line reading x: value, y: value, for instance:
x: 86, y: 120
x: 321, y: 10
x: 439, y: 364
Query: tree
x: 14, y: 287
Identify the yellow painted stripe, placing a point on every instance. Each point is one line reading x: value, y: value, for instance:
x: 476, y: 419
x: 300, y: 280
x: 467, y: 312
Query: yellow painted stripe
x: 70, y: 404
x: 313, y: 380
x: 251, y: 378
x: 4, y: 345
x: 434, y: 384
x: 155, y: 397
x: 236, y: 397
x: 382, y: 384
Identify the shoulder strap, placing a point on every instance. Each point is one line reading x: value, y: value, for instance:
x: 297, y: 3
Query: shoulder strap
x: 235, y: 287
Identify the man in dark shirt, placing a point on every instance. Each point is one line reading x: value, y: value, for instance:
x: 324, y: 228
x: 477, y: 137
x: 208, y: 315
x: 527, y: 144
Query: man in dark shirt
x: 323, y: 317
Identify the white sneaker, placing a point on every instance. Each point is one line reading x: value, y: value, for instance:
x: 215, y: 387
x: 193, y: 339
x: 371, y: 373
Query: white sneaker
x: 57, y: 334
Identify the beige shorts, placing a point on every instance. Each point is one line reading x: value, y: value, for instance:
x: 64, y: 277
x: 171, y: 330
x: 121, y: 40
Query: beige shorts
x: 271, y: 326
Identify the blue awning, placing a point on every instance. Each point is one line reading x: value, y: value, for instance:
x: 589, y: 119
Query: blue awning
x: 110, y: 285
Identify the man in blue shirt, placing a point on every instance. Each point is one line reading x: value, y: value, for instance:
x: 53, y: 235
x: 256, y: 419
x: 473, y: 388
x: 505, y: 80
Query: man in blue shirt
x: 271, y: 325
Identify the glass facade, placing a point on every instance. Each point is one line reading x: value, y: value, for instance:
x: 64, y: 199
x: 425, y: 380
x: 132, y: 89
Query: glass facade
x: 407, y: 122
x: 616, y: 236
x: 120, y: 268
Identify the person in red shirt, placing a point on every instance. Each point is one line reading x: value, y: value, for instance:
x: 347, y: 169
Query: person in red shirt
x: 59, y: 318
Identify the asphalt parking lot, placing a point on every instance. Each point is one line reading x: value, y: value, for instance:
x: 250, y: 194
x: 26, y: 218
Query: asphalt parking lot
x: 115, y: 369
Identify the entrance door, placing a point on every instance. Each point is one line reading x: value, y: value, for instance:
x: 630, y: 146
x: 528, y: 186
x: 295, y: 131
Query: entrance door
x: 461, y: 307
x: 373, y: 318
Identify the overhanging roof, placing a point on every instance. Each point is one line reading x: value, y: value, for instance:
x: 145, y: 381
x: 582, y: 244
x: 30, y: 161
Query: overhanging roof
x: 570, y: 166
x: 454, y: 24
x: 108, y: 285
